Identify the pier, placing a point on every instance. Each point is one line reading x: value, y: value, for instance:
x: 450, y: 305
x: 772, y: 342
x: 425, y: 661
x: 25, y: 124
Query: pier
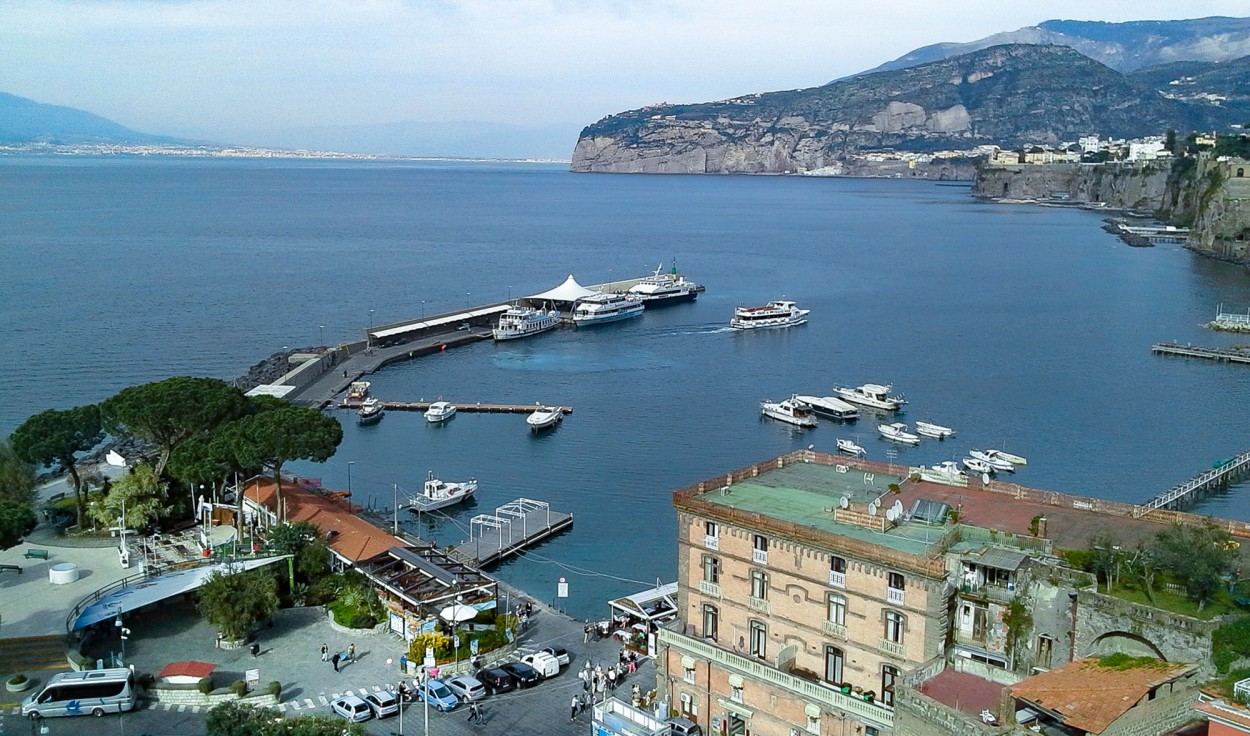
x: 513, y: 527
x: 1221, y: 355
x: 476, y: 407
x: 1189, y: 491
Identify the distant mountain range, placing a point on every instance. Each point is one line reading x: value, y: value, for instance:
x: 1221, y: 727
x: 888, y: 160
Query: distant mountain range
x: 27, y: 121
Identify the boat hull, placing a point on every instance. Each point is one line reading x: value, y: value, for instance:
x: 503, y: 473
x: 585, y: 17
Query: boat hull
x: 767, y: 324
x: 539, y: 421
x: 850, y: 448
x: 366, y: 419
x: 508, y: 334
x: 824, y: 407
x: 422, y: 504
x: 649, y: 302
x: 605, y: 319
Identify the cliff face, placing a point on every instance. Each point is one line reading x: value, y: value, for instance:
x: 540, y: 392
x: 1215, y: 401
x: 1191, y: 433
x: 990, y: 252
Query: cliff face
x: 1220, y: 201
x: 1119, y: 186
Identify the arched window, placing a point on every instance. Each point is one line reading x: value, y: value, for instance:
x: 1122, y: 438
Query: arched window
x: 1241, y: 173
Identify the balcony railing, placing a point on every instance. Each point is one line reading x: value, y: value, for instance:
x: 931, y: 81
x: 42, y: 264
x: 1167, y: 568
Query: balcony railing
x: 758, y: 604
x: 895, y: 596
x: 833, y: 629
x: 709, y: 589
x: 892, y: 647
x: 759, y: 556
x: 711, y: 542
x: 837, y: 579
x: 875, y: 714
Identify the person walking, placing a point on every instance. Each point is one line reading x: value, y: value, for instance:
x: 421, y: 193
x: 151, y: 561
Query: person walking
x: 351, y: 652
x: 586, y: 632
x: 573, y: 706
x: 335, y: 660
x: 325, y: 652
x: 612, y: 678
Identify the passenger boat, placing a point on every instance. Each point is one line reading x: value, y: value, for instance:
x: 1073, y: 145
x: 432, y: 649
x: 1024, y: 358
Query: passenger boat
x: 370, y: 412
x: 872, y: 395
x: 660, y: 289
x: 544, y: 417
x: 995, y: 462
x: 437, y: 494
x: 829, y: 406
x: 848, y: 447
x: 898, y: 433
x: 440, y: 411
x: 600, y: 308
x: 520, y: 322
x: 977, y: 466
x: 774, y: 314
x: 1013, y: 459
x: 789, y: 411
x: 358, y: 390
x: 936, y: 431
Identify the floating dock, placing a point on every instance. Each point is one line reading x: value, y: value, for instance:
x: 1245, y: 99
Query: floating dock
x: 1220, y: 355
x: 513, y: 527
x: 477, y: 407
x: 1189, y: 491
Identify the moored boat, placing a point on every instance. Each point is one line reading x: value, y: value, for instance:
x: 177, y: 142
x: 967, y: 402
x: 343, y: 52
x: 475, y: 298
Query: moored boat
x: 873, y: 395
x: 544, y: 417
x: 995, y: 462
x: 602, y: 308
x: 847, y: 447
x: 936, y: 431
x: 949, y: 470
x: 660, y: 289
x: 437, y: 494
x: 358, y: 390
x: 370, y: 411
x: 778, y: 313
x: 440, y: 411
x: 788, y: 411
x: 898, y: 433
x: 1013, y: 459
x: 977, y: 466
x: 520, y: 322
x: 829, y: 406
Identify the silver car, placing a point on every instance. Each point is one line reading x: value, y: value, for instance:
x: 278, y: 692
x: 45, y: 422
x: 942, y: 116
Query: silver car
x: 467, y: 688
x: 352, y: 708
x: 382, y: 703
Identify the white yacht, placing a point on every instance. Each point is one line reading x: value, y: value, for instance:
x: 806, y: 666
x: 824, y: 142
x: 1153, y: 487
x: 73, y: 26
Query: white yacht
x: 773, y: 314
x: 829, y: 406
x: 847, y: 447
x: 995, y: 462
x: 872, y: 395
x: 437, y: 494
x: 440, y: 411
x: 898, y: 432
x: 977, y: 466
x: 660, y: 289
x: 789, y: 411
x: 370, y: 411
x: 936, y: 431
x: 599, y: 308
x: 949, y: 470
x: 544, y: 417
x: 520, y: 322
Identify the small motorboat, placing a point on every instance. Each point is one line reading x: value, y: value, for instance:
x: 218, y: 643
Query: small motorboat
x: 437, y: 494
x: 358, y: 390
x: 995, y: 462
x: 898, y: 433
x: 872, y: 395
x: 544, y: 417
x: 440, y: 411
x: 370, y: 411
x: 847, y: 447
x: 788, y: 411
x: 936, y: 431
x: 977, y: 466
x: 1002, y: 455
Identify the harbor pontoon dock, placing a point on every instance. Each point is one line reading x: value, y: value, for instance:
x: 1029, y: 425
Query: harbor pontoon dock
x: 475, y: 407
x: 1220, y: 355
x: 513, y: 527
x: 1186, y: 493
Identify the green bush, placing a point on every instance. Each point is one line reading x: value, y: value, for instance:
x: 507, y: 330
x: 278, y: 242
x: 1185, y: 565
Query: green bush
x: 351, y: 617
x: 1229, y: 643
x: 146, y: 680
x: 238, y: 687
x: 274, y: 688
x: 1081, y: 559
x: 17, y: 679
x: 205, y: 685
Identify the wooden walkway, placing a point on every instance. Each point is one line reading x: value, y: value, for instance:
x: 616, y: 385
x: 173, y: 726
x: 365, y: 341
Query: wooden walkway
x: 1190, y: 490
x: 513, y: 527
x: 477, y: 407
x: 1197, y: 351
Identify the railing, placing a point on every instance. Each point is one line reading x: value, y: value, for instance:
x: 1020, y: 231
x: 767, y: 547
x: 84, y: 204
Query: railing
x: 709, y: 589
x: 837, y: 579
x: 895, y: 596
x: 892, y: 647
x: 759, y: 556
x: 1213, y: 475
x: 711, y: 542
x: 833, y: 629
x: 758, y: 604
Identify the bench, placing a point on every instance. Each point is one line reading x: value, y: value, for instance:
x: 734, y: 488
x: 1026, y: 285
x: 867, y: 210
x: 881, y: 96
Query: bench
x: 33, y: 553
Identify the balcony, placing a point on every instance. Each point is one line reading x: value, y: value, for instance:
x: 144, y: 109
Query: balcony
x: 709, y: 589
x: 711, y: 542
x: 759, y: 556
x: 757, y: 604
x: 837, y: 579
x: 892, y: 647
x: 836, y: 630
x: 875, y: 714
x: 895, y: 596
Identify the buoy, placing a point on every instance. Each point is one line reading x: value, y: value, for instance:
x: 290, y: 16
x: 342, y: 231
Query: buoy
x: 442, y: 347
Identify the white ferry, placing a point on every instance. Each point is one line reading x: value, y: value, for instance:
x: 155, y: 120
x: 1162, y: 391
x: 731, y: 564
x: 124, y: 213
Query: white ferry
x: 600, y: 308
x: 660, y: 289
x: 788, y: 411
x: 520, y: 322
x: 872, y: 395
x: 774, y: 314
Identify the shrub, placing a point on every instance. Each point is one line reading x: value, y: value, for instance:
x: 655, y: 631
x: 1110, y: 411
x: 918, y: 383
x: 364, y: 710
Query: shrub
x: 205, y: 685
x: 274, y: 688
x: 17, y: 679
x: 146, y: 680
x: 1229, y: 643
x: 238, y: 687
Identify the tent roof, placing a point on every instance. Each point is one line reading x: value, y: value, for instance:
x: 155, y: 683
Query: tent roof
x: 569, y: 291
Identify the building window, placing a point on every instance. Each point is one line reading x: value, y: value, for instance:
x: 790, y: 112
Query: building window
x: 1045, y: 651
x: 759, y: 639
x: 711, y: 535
x: 688, y: 674
x: 837, y: 572
x: 735, y: 693
x: 888, y: 676
x: 711, y: 569
x: 894, y: 589
x: 759, y: 585
x: 836, y: 609
x: 895, y: 623
x: 834, y: 659
x: 1241, y: 173
x: 759, y: 550
x: 871, y: 731
x: 711, y: 622
x: 689, y: 707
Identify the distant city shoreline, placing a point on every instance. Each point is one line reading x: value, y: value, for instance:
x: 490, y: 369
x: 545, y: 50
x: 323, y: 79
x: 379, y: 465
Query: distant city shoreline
x: 209, y: 151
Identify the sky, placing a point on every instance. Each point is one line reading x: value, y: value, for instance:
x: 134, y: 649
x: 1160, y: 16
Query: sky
x: 238, y: 70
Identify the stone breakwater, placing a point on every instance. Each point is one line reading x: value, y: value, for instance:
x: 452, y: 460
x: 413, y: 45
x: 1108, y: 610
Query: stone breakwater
x: 272, y: 368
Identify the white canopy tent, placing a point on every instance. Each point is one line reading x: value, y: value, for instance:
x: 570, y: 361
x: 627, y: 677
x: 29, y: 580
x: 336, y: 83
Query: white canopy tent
x: 569, y: 291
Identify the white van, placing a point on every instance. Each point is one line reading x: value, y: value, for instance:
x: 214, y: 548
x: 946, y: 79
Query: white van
x: 547, y: 665
x: 94, y: 692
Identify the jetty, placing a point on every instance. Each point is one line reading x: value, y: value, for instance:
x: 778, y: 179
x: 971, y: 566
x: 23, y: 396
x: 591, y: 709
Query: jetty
x: 1186, y: 493
x: 1230, y: 321
x: 1220, y: 355
x: 474, y: 407
x: 513, y: 527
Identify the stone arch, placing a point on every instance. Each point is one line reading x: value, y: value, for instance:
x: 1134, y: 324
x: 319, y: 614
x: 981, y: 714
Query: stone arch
x: 1125, y: 642
x: 1241, y: 172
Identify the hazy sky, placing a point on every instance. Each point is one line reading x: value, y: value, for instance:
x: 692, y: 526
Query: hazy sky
x: 225, y: 69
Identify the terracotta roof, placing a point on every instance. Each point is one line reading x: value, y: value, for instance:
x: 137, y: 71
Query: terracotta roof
x: 1229, y: 714
x: 187, y: 669
x: 1088, y: 696
x: 349, y: 536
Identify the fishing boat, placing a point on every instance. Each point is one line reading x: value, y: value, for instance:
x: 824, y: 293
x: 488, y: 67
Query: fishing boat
x: 440, y: 411
x: 829, y: 406
x: 847, y: 447
x: 898, y: 433
x: 936, y: 431
x: 520, y: 322
x: 774, y: 314
x: 544, y: 417
x: 437, y: 494
x: 358, y: 390
x: 788, y: 411
x: 949, y: 471
x: 873, y: 395
x: 995, y: 462
x: 977, y: 466
x: 602, y: 308
x: 1013, y: 459
x: 660, y: 289
x: 370, y: 411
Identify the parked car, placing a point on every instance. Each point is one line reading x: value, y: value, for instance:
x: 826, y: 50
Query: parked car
x: 545, y: 664
x: 683, y: 727
x: 496, y: 680
x: 438, y: 694
x: 467, y: 688
x: 382, y: 703
x: 560, y: 653
x: 526, y: 676
x: 352, y: 708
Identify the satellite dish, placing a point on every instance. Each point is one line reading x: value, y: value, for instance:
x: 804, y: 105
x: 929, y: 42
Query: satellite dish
x: 985, y: 479
x: 897, y: 508
x: 872, y: 509
x: 891, y: 514
x: 845, y: 502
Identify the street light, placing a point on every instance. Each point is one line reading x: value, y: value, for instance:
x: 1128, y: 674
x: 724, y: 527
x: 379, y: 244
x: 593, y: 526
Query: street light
x: 323, y: 334
x: 350, y: 463
x: 369, y: 336
x: 423, y: 310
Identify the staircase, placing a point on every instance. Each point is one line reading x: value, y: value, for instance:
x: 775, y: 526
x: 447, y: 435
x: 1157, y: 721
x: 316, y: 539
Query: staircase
x: 32, y: 653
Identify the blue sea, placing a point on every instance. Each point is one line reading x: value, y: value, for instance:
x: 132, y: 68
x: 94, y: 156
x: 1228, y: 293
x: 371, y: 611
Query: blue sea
x: 1022, y: 327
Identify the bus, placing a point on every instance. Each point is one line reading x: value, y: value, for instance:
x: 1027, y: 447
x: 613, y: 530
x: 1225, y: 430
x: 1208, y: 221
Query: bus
x: 93, y: 692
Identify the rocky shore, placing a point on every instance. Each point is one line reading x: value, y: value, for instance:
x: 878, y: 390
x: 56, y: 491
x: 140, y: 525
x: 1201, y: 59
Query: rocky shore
x: 270, y: 369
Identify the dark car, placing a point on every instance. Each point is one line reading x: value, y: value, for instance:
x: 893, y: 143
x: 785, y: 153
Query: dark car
x: 524, y: 674
x: 496, y: 680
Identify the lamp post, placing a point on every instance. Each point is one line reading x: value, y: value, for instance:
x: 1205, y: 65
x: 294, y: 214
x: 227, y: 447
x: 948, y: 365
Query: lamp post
x: 322, y: 328
x: 350, y: 463
x: 369, y: 336
x: 467, y: 303
x: 199, y: 509
x: 422, y: 310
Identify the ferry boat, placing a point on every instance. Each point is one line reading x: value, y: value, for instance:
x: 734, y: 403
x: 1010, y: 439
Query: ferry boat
x: 358, y: 390
x: 936, y: 431
x: 828, y: 406
x: 898, y: 432
x: 520, y: 322
x: 437, y: 494
x: 774, y: 314
x: 544, y: 417
x: 993, y: 460
x: 788, y: 411
x: 660, y: 289
x: 370, y: 412
x: 847, y: 447
x: 440, y: 411
x: 872, y: 395
x: 600, y: 308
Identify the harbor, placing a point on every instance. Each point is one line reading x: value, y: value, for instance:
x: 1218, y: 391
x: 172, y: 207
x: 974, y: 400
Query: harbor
x: 1219, y: 355
x: 1187, y: 493
x: 461, y: 407
x: 509, y: 530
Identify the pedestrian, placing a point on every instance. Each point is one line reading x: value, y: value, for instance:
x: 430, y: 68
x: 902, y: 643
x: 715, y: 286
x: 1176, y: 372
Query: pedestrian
x: 636, y: 695
x: 621, y: 656
x: 529, y: 608
x: 351, y: 652
x: 585, y: 701
x: 325, y: 652
x: 586, y: 632
x: 612, y: 678
x: 633, y: 664
x: 335, y: 660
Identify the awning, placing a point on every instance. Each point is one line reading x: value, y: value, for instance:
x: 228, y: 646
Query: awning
x: 569, y: 291
x: 1000, y: 559
x: 649, y: 605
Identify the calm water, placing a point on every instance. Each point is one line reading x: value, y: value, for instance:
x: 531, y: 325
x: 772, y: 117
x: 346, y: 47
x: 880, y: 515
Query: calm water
x: 1022, y: 327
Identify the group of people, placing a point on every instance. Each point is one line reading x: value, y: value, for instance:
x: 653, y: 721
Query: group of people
x: 338, y: 658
